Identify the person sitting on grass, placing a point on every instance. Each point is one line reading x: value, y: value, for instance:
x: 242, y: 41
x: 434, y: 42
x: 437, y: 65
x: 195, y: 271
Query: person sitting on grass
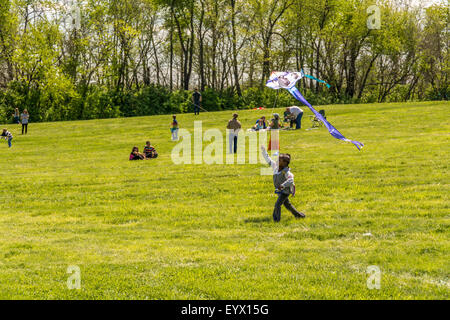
x: 275, y: 123
x: 259, y: 125
x: 283, y: 180
x: 7, y: 136
x: 150, y: 151
x: 136, y: 155
x: 263, y: 119
x: 288, y: 117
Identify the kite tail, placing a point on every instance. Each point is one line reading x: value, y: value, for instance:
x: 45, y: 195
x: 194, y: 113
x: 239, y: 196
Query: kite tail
x: 314, y: 78
x: 333, y: 131
x: 358, y: 144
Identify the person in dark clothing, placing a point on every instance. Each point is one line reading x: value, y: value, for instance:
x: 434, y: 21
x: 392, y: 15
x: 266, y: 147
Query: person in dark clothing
x: 288, y: 118
x: 283, y: 180
x: 136, y: 155
x: 197, y: 101
x: 16, y: 116
x: 25, y: 117
x: 233, y: 128
x: 262, y: 120
x: 150, y: 151
x: 296, y: 113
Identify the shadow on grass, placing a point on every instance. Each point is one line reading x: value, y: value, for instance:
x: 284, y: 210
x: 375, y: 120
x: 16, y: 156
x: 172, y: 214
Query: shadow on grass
x: 258, y: 220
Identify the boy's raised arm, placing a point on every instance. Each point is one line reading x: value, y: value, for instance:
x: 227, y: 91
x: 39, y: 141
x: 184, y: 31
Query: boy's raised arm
x: 269, y: 161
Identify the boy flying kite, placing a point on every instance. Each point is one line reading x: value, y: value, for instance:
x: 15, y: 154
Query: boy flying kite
x: 283, y: 180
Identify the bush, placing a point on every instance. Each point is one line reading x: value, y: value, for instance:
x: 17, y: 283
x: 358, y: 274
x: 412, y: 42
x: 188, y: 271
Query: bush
x: 437, y: 94
x: 59, y: 100
x: 99, y: 103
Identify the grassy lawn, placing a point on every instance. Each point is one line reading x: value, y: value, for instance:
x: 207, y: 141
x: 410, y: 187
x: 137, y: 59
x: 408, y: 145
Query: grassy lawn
x: 156, y: 230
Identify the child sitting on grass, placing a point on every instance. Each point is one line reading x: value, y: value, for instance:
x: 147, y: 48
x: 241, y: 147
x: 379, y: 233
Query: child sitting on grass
x: 174, y: 128
x: 7, y: 136
x: 288, y: 117
x: 136, y: 155
x: 259, y: 125
x: 150, y: 151
x: 283, y: 180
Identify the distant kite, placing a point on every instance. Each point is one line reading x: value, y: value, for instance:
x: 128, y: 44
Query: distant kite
x: 287, y: 80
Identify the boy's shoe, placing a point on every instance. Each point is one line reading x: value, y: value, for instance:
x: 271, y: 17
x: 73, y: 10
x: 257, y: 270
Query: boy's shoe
x: 300, y: 215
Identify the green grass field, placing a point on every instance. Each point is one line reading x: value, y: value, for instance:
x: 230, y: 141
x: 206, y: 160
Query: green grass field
x: 156, y: 230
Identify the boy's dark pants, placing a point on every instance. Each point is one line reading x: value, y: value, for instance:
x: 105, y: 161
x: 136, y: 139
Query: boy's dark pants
x: 151, y: 155
x: 298, y: 121
x: 283, y: 199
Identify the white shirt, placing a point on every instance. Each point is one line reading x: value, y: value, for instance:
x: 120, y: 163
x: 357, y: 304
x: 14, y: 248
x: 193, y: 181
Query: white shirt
x: 295, y: 110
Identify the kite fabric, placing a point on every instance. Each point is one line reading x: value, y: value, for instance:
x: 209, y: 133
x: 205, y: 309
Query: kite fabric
x: 287, y: 80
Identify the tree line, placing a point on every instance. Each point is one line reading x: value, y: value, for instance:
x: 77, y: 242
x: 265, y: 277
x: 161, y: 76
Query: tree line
x: 69, y: 59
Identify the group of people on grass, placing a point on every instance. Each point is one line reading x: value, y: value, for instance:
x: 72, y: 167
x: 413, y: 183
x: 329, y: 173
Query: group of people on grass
x: 21, y: 118
x: 283, y: 178
x: 149, y: 150
x: 18, y: 118
x: 293, y: 115
x: 149, y: 153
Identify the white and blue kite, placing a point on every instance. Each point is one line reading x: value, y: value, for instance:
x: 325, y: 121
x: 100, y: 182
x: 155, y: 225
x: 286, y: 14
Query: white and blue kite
x: 287, y: 80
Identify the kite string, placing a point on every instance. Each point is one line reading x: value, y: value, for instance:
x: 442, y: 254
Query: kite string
x: 276, y: 99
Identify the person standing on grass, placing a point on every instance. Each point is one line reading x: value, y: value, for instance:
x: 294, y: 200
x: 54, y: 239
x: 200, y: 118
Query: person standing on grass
x: 16, y: 116
x: 174, y: 128
x: 233, y: 126
x: 7, y: 136
x: 297, y: 114
x: 25, y: 116
x: 275, y: 124
x: 283, y: 180
x: 197, y: 101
